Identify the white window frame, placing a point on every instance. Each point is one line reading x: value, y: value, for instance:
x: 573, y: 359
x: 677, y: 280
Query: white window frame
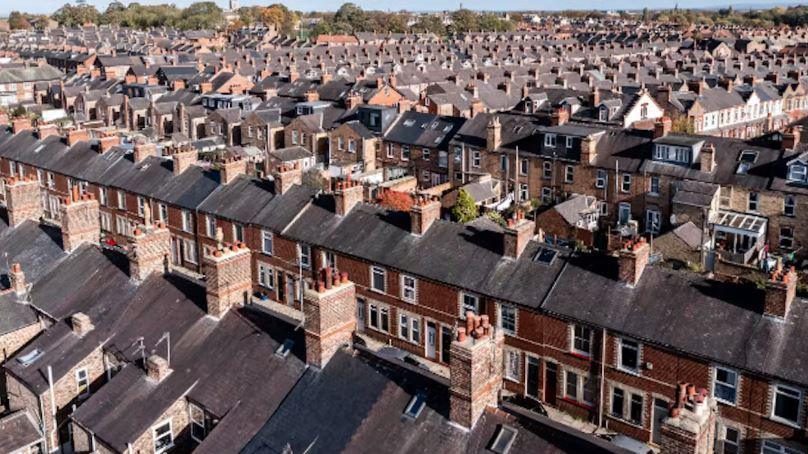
x: 512, y: 360
x: 374, y: 270
x: 463, y: 307
x: 581, y: 387
x: 190, y: 254
x: 625, y: 183
x: 625, y: 414
x: 82, y: 383
x: 621, y: 344
x: 170, y: 435
x: 569, y: 174
x: 601, y: 179
x: 549, y: 140
x: 193, y: 422
x: 187, y: 221
x: 772, y: 447
x: 574, y: 336
x: 501, y: 307
x: 753, y: 203
x: 789, y: 389
x: 210, y: 226
x: 304, y: 255
x: 735, y: 386
x: 266, y: 276
x: 408, y: 326
x: 267, y: 237
x: 409, y: 291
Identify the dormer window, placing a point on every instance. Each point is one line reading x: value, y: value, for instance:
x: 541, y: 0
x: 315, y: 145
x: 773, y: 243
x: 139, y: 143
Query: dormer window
x: 746, y: 160
x: 550, y: 140
x: 797, y: 173
x: 672, y: 153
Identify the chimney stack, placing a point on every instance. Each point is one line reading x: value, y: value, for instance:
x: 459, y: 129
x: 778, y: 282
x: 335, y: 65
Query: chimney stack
x: 47, y: 130
x: 150, y: 249
x: 20, y: 124
x: 157, y: 368
x: 330, y: 316
x: 560, y: 116
x: 516, y: 235
x: 589, y: 150
x: 286, y: 176
x: 229, y: 278
x: 231, y: 168
x: 690, y: 427
x: 494, y: 134
x: 347, y: 194
x: 80, y: 222
x: 781, y: 288
x: 632, y: 261
x: 475, y: 370
x: 791, y: 137
x: 662, y: 127
x: 143, y: 150
x: 423, y: 214
x: 707, y: 158
x: 17, y: 279
x: 23, y: 200
x: 183, y: 158
x: 77, y: 135
x: 81, y: 324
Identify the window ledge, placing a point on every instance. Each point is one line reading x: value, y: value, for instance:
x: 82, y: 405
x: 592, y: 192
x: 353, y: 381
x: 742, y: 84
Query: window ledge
x: 635, y: 373
x: 577, y: 404
x: 581, y: 355
x: 785, y: 422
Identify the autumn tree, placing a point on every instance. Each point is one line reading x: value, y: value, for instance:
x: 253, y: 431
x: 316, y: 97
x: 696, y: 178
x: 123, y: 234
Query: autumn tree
x: 18, y: 21
x: 395, y: 200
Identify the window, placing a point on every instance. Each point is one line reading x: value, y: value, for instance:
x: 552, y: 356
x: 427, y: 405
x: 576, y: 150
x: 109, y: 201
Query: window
x: 569, y: 174
x: 523, y: 191
x: 601, y: 179
x: 106, y: 222
x: 732, y: 440
x: 266, y: 242
x: 266, y: 276
x: 102, y: 196
x: 511, y: 358
x: 725, y: 196
x: 409, y: 327
x: 141, y: 206
x: 352, y: 145
x: 546, y: 195
x: 507, y: 318
x: 503, y: 162
x: 627, y: 406
x: 789, y: 205
x: 416, y: 405
x: 304, y: 255
x: 625, y: 184
x: 187, y: 221
x: 753, y: 201
x: 408, y: 288
x: 189, y: 251
x: 340, y: 143
x: 475, y: 158
x: 163, y: 437
x: 547, y: 170
x: 798, y: 173
x: 469, y: 303
x: 653, y: 221
x: 570, y: 141
x: 425, y: 154
x: 329, y: 260
x: 503, y: 440
x: 629, y: 356
x: 550, y: 140
x: 121, y: 225
x: 384, y: 319
x: 653, y: 185
x: 390, y: 153
x: 523, y: 166
x: 162, y: 212
x: 210, y: 226
x: 377, y: 279
x: 771, y: 447
x: 294, y: 137
x: 51, y: 180
x: 786, y: 237
x: 197, y: 420
x: 374, y: 316
x: 576, y: 387
x: 581, y: 340
x: 786, y: 402
x: 238, y: 233
x: 405, y: 153
x: 121, y: 200
x: 82, y: 382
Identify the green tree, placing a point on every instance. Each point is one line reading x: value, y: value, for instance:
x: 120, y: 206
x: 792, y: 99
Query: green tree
x: 76, y: 16
x: 464, y: 20
x: 646, y: 16
x: 201, y: 15
x: 18, y: 21
x: 429, y: 24
x: 350, y: 18
x: 464, y: 209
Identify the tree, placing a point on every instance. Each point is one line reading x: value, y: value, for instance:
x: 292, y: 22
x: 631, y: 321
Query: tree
x: 201, y: 15
x: 18, y: 21
x: 464, y: 20
x: 645, y: 15
x: 429, y: 24
x: 76, y: 16
x: 465, y: 209
x: 395, y: 200
x: 682, y: 125
x: 350, y: 18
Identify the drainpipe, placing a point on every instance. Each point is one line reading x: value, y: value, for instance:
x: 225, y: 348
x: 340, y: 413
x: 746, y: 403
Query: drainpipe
x: 52, y: 399
x: 602, y: 378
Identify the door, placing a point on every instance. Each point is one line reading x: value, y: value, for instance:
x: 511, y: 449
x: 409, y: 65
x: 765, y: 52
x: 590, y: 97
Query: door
x: 550, y: 383
x: 532, y: 379
x: 660, y: 413
x: 290, y: 290
x: 281, y: 287
x: 360, y: 314
x: 176, y: 251
x: 445, y: 343
x: 431, y: 337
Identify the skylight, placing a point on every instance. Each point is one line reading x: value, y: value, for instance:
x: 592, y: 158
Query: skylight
x: 545, y: 256
x: 503, y: 439
x: 30, y: 357
x: 416, y: 405
x: 747, y: 158
x: 409, y: 123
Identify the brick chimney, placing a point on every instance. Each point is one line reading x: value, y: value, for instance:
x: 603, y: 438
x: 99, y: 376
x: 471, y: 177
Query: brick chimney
x: 516, y: 235
x: 228, y: 274
x: 423, y: 213
x: 143, y: 150
x: 329, y: 309
x: 231, y: 168
x: 23, y: 200
x: 47, y: 130
x: 560, y: 116
x: 690, y: 427
x: 106, y: 143
x: 17, y: 279
x: 81, y: 324
x: 594, y: 98
x: 77, y: 135
x: 494, y: 134
x: 157, y: 368
x: 662, y: 127
x: 312, y: 95
x: 589, y: 150
x: 347, y: 195
x: 20, y: 124
x: 150, y: 248
x: 183, y: 158
x: 632, y: 260
x: 781, y: 288
x: 286, y: 176
x: 475, y: 370
x: 791, y: 137
x: 80, y: 223
x: 707, y: 158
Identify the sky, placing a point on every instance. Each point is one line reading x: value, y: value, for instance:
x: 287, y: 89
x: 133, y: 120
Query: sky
x: 49, y: 6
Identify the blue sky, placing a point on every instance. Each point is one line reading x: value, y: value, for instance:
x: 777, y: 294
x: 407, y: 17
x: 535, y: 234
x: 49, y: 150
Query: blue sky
x: 47, y: 6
